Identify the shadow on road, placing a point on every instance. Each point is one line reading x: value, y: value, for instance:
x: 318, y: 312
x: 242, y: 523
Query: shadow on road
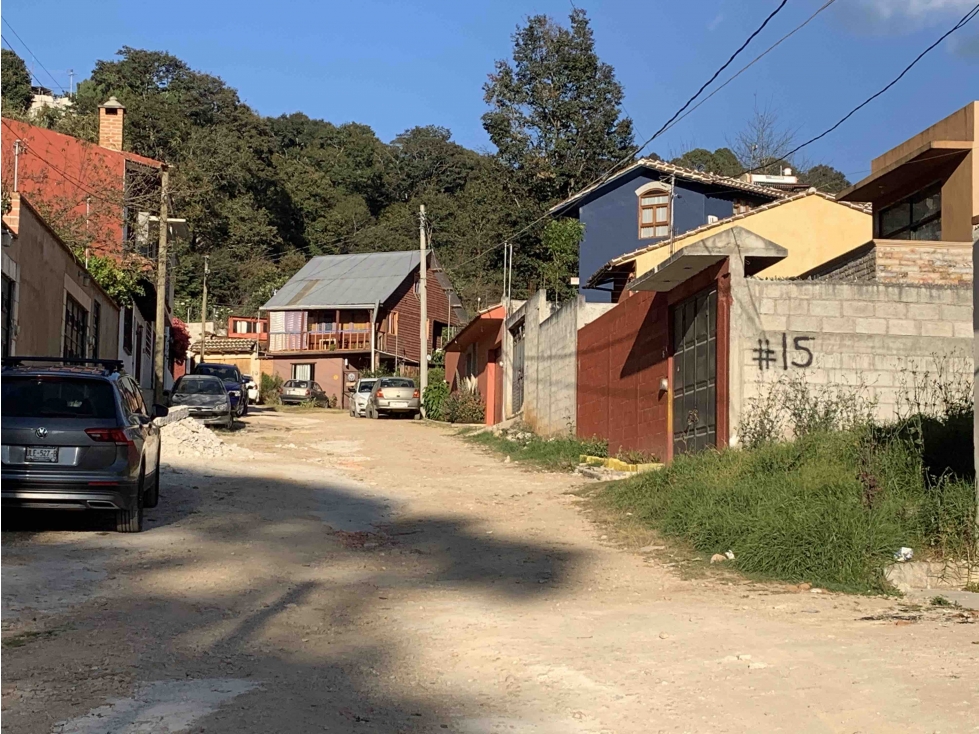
x: 242, y: 576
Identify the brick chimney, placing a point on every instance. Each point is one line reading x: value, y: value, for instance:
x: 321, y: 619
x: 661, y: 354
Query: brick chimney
x: 111, y: 115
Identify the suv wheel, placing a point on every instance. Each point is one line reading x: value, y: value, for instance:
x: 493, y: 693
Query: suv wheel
x: 131, y: 520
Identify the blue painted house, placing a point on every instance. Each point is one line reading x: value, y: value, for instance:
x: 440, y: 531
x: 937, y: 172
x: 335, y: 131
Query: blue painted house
x: 635, y: 208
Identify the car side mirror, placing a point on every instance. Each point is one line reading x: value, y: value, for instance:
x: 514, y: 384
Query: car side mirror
x: 160, y: 411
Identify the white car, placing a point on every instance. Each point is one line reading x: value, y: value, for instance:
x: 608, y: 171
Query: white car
x: 358, y: 398
x: 252, y: 389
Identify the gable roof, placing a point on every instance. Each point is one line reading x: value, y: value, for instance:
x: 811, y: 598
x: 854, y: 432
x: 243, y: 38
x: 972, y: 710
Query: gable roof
x: 674, y: 170
x: 597, y: 277
x: 357, y: 280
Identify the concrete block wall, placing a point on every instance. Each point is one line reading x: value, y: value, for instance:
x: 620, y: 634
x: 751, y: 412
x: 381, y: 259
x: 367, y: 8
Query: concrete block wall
x: 550, y: 361
x: 867, y: 336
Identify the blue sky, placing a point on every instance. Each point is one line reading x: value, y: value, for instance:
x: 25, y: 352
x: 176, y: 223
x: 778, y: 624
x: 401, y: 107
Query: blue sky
x: 393, y: 65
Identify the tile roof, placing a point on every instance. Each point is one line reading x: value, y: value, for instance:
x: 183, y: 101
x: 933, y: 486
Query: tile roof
x: 680, y: 171
x: 225, y: 345
x: 622, y: 259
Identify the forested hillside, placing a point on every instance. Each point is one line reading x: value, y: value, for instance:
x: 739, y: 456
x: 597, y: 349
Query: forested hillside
x: 263, y: 194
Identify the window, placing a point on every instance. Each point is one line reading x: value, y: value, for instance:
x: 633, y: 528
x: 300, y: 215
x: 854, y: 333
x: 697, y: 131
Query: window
x: 127, y: 330
x: 96, y: 328
x: 919, y: 217
x: 76, y: 323
x: 392, y: 323
x: 302, y: 372
x: 654, y: 214
x: 57, y: 397
x: 8, y: 314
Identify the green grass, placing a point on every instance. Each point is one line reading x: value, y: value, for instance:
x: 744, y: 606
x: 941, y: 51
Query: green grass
x: 828, y: 508
x: 557, y: 454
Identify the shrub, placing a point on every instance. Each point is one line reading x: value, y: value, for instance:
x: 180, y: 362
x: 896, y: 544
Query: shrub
x: 463, y: 406
x: 269, y: 388
x: 436, y: 394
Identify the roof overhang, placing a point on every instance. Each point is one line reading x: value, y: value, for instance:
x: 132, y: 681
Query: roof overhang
x: 757, y: 253
x: 930, y: 161
x: 487, y: 321
x: 317, y: 307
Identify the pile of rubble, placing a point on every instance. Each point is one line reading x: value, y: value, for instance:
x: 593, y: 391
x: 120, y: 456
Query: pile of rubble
x: 190, y: 438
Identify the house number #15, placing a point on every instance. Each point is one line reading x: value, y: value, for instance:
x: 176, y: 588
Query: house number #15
x: 765, y: 357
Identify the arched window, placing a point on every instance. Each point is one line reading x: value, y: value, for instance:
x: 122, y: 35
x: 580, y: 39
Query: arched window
x: 654, y: 210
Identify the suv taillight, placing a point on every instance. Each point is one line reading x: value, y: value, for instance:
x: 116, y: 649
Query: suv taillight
x: 109, y: 435
x: 414, y: 394
x: 380, y: 393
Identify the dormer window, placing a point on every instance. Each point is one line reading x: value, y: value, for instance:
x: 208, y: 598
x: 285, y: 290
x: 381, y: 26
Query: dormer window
x: 654, y: 210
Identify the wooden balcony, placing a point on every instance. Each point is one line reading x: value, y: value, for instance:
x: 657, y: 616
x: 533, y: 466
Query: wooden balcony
x: 320, y: 341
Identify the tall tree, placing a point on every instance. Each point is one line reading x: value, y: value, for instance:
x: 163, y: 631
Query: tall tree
x: 762, y: 144
x: 722, y: 161
x: 556, y: 110
x: 15, y: 82
x: 825, y: 178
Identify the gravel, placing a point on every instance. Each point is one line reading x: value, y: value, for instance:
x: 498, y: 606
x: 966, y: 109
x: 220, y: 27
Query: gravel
x: 190, y: 438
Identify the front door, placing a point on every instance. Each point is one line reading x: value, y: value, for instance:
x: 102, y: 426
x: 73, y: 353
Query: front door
x: 695, y: 373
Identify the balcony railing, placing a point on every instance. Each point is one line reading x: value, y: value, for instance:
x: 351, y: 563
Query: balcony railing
x: 320, y: 341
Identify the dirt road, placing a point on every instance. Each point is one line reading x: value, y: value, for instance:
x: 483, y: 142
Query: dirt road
x: 382, y: 576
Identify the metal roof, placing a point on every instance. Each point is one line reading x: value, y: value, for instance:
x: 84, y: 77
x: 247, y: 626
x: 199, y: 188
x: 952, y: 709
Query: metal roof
x: 357, y: 280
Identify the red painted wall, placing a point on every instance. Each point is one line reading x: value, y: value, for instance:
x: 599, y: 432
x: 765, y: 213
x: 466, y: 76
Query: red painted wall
x: 622, y: 357
x: 488, y: 340
x: 406, y: 302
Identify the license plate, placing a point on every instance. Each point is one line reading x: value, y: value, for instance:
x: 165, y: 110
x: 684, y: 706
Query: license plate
x: 399, y: 403
x: 41, y: 454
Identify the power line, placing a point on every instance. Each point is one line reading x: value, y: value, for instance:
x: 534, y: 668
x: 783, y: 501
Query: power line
x: 57, y: 84
x: 965, y: 19
x: 754, y: 61
x: 30, y: 72
x: 716, y: 74
x: 639, y: 148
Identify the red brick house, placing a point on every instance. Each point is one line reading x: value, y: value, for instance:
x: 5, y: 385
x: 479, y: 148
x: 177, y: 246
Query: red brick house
x: 341, y: 315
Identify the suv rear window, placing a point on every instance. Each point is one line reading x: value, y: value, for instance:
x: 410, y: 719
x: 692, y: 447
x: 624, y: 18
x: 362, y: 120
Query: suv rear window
x: 297, y: 383
x: 57, y: 397
x: 228, y: 374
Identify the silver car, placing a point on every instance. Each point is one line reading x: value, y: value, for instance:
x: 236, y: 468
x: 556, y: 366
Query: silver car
x: 207, y: 397
x: 77, y: 435
x: 394, y: 396
x: 358, y: 398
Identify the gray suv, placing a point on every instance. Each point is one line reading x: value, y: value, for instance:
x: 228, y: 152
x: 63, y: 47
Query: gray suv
x: 77, y: 435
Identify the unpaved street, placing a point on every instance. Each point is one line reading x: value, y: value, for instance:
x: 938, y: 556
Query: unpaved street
x: 382, y: 576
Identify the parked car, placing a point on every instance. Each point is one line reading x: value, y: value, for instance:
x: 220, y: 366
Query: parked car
x: 251, y: 389
x: 395, y: 396
x: 77, y: 435
x: 295, y: 392
x: 233, y: 381
x: 359, y: 396
x: 207, y: 398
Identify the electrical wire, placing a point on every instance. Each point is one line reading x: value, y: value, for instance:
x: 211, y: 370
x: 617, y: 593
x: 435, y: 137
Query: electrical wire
x: 56, y: 83
x: 965, y: 19
x: 716, y: 74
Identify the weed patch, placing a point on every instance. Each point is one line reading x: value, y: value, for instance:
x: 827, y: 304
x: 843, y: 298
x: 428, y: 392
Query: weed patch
x: 559, y: 453
x: 827, y: 508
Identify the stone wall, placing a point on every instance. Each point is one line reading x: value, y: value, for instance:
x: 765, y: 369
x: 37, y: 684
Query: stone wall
x: 866, y: 336
x: 901, y: 261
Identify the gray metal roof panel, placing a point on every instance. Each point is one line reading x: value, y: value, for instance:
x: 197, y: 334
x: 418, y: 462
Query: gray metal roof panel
x: 345, y: 281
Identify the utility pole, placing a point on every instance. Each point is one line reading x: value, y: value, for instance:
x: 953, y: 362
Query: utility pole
x: 204, y: 309
x: 159, y: 348
x: 423, y: 298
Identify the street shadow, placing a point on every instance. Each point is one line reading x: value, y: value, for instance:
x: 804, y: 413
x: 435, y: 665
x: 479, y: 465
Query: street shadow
x: 275, y: 593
